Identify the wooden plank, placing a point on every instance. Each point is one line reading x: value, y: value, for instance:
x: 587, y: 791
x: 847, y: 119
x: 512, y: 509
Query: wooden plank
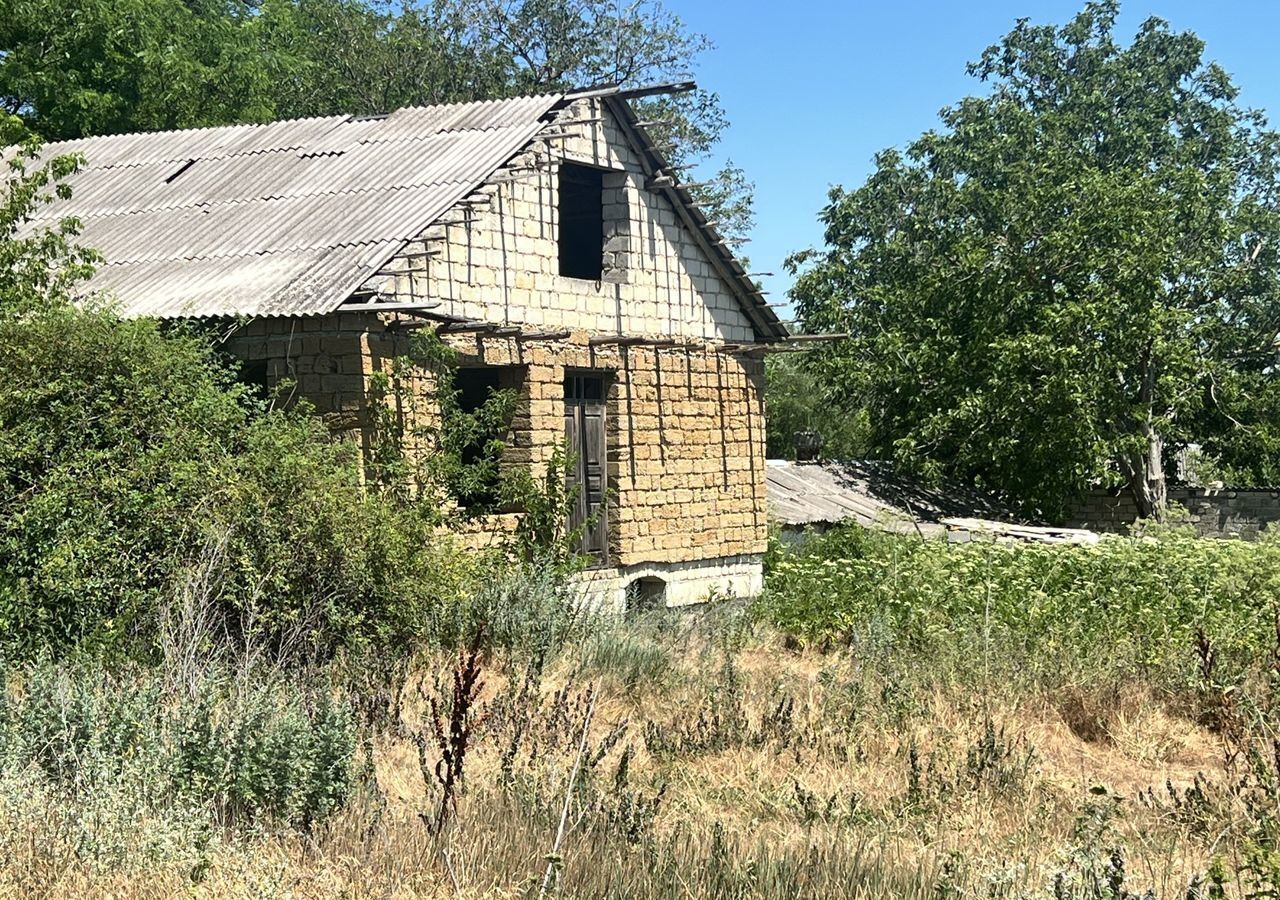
x: 594, y: 456
x: 387, y: 307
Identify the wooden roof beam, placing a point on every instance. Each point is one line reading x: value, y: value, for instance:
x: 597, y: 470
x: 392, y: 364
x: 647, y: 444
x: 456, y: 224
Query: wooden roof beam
x: 635, y: 93
x: 466, y: 327
x: 544, y: 335
x: 388, y: 307
x: 649, y: 343
x: 810, y: 338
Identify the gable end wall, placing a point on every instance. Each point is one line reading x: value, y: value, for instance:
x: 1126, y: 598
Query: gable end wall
x: 497, y: 258
x: 685, y: 423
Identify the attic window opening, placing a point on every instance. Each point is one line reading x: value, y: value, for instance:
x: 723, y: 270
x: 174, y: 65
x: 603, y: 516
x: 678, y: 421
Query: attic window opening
x: 581, y: 214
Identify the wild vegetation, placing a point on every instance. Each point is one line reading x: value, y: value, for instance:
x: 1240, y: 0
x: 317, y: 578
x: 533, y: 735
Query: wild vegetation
x: 720, y: 755
x: 799, y: 401
x: 133, y: 463
x: 238, y: 660
x: 1107, y: 610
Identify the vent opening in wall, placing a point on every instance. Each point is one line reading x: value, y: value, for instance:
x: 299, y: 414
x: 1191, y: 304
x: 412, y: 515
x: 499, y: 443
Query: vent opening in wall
x: 645, y: 595
x: 581, y: 214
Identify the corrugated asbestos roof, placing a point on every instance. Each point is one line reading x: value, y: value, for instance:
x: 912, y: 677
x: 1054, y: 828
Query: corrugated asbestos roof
x: 286, y: 218
x: 869, y: 493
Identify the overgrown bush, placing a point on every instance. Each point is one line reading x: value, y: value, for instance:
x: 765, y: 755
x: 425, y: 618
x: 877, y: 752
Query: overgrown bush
x: 126, y: 452
x: 242, y: 745
x: 1124, y: 602
x: 133, y: 464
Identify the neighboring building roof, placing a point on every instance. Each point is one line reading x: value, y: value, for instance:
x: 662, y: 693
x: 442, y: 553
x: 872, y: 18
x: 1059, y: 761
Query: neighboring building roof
x: 290, y: 218
x: 287, y: 218
x: 869, y: 493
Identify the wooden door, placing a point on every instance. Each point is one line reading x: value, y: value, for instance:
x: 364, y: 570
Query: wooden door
x: 584, y: 432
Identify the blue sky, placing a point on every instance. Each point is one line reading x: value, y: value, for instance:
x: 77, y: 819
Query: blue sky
x: 814, y: 89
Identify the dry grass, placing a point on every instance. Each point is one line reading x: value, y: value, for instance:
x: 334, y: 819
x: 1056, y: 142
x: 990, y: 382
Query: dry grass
x: 821, y: 778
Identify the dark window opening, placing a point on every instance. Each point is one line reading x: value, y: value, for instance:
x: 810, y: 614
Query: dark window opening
x: 479, y: 427
x: 475, y: 386
x: 253, y: 374
x: 581, y: 222
x: 583, y: 387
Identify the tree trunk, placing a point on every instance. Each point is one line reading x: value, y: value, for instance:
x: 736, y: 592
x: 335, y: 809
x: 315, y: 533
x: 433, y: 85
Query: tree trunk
x: 1145, y: 468
x: 1146, y: 475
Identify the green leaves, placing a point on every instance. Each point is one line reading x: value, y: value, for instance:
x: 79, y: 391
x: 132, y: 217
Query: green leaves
x: 71, y: 68
x: 1125, y: 602
x: 131, y: 464
x: 1042, y: 294
x: 796, y: 401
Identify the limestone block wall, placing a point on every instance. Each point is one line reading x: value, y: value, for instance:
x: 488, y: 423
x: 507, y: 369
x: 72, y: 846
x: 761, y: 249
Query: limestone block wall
x: 685, y: 424
x: 327, y: 360
x: 495, y: 256
x: 1213, y: 512
x: 684, y: 421
x: 685, y: 438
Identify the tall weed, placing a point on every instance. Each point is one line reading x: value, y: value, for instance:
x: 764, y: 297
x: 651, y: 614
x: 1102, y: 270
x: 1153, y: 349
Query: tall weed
x: 1122, y: 605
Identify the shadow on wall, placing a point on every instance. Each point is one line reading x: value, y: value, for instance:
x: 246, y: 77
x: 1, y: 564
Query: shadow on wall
x: 1212, y: 512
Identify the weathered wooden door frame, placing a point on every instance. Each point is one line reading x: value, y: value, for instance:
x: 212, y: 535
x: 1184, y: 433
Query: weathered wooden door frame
x: 586, y: 416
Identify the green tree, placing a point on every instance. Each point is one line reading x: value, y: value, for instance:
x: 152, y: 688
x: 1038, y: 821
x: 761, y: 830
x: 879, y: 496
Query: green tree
x: 1073, y: 277
x: 36, y: 268
x: 797, y: 400
x: 71, y: 68
x: 367, y: 57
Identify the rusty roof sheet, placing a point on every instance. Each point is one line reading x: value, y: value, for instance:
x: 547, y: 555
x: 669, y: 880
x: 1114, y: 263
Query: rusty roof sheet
x: 286, y: 218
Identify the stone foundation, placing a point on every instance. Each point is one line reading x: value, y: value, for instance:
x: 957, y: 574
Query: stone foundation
x: 619, y: 590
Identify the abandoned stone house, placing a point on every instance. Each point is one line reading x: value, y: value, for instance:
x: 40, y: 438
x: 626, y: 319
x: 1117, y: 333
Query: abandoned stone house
x: 544, y: 238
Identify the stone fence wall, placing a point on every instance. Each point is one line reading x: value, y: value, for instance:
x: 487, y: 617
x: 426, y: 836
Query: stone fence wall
x: 1215, y: 512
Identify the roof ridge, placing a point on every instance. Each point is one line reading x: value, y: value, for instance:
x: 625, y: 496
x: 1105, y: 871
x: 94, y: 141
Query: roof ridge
x: 337, y: 117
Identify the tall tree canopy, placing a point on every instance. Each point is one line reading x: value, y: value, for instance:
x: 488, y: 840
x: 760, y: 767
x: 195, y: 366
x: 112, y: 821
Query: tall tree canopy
x: 1074, y: 277
x: 71, y: 68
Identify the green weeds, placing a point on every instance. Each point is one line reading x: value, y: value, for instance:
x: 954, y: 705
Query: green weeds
x: 1125, y: 606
